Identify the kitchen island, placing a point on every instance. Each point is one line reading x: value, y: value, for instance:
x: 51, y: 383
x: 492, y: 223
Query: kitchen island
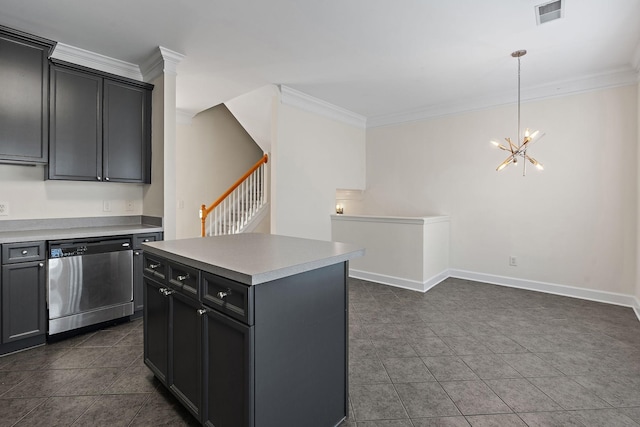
x: 250, y: 329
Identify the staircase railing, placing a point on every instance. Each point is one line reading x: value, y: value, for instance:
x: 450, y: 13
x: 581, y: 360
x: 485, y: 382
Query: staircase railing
x: 232, y: 211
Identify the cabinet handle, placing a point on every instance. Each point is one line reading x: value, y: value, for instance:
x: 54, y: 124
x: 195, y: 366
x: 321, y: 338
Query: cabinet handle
x: 106, y: 179
x: 202, y: 311
x: 145, y: 240
x: 99, y: 178
x: 183, y: 277
x: 154, y: 266
x: 168, y: 292
x: 162, y: 290
x: 25, y: 252
x: 136, y: 253
x: 41, y: 265
x: 125, y: 245
x: 224, y: 294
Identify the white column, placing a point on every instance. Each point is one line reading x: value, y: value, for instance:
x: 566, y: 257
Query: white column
x: 160, y: 197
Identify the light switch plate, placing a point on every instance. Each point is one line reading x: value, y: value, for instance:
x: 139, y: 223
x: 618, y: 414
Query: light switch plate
x: 4, y: 209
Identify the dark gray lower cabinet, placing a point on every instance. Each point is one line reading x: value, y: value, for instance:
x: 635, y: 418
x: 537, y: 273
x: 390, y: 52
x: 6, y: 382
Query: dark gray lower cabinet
x: 185, y: 351
x: 228, y: 376
x: 272, y: 354
x: 156, y: 329
x: 24, y: 311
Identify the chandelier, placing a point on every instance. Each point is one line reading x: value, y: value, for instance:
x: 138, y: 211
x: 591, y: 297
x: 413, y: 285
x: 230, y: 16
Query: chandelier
x: 525, y: 140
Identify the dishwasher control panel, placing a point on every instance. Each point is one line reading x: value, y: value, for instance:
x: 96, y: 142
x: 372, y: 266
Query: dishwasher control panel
x: 67, y: 248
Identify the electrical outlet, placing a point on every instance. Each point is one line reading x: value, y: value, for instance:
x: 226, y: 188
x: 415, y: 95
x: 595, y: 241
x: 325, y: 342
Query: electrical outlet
x: 4, y: 209
x: 128, y: 205
x: 106, y: 205
x: 513, y: 261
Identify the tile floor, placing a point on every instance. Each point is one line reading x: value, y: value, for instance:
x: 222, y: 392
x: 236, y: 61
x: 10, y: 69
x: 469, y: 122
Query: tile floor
x: 467, y: 353
x: 462, y: 354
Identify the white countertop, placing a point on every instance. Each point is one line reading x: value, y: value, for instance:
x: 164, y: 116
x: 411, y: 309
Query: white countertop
x: 254, y: 258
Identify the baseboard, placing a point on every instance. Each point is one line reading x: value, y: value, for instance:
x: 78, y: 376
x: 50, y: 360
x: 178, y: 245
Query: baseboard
x: 531, y: 285
x: 399, y: 282
x: 552, y: 288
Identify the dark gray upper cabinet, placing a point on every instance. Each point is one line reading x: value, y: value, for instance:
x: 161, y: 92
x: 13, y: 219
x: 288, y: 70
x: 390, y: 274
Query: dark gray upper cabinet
x: 100, y: 126
x: 24, y: 89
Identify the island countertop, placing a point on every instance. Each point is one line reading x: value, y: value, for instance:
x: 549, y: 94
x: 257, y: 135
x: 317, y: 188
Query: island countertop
x: 254, y: 258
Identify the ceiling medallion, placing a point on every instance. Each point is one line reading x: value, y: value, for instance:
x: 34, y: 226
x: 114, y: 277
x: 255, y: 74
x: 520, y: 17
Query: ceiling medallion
x: 525, y: 139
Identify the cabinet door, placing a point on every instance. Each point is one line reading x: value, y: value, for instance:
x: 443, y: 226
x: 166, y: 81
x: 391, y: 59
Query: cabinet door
x: 156, y: 329
x: 228, y: 376
x: 75, y: 125
x: 24, y: 107
x: 127, y: 133
x: 185, y: 378
x: 23, y: 301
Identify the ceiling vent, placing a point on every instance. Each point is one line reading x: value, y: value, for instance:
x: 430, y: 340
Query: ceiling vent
x: 549, y: 11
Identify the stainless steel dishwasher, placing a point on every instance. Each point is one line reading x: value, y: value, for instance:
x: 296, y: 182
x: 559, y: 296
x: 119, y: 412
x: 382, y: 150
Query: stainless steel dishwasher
x: 89, y: 281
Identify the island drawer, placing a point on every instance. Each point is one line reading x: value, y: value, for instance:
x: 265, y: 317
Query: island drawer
x: 22, y: 252
x: 184, y: 278
x: 155, y: 266
x: 229, y: 297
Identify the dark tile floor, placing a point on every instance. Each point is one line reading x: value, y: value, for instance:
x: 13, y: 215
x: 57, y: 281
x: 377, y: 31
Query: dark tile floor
x: 95, y: 379
x: 467, y: 353
x: 462, y: 354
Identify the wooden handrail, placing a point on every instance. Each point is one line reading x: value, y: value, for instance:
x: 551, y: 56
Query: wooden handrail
x: 204, y: 210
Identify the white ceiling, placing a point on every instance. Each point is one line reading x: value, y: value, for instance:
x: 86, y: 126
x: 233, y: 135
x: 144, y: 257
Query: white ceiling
x: 376, y: 58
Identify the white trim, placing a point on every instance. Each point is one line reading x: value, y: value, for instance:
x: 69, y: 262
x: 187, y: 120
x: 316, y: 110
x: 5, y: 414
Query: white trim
x: 162, y: 61
x: 621, y: 77
x: 184, y: 117
x: 314, y: 105
x: 512, y: 282
x: 549, y: 288
x: 636, y: 307
x: 399, y: 282
x: 96, y: 61
x: 391, y: 219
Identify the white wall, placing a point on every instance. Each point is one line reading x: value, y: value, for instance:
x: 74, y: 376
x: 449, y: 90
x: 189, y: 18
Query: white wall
x: 212, y: 153
x: 573, y: 224
x: 312, y: 156
x: 31, y: 197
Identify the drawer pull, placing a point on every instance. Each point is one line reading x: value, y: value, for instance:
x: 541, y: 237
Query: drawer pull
x: 183, y: 277
x: 154, y: 266
x: 25, y: 252
x: 41, y: 264
x: 166, y: 292
x: 145, y: 240
x: 136, y: 253
x: 202, y: 311
x: 224, y: 294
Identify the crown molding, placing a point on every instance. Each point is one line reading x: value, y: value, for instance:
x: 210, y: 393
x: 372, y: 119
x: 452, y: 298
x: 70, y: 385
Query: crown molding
x: 620, y: 77
x: 162, y: 61
x: 311, y: 104
x: 96, y: 61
